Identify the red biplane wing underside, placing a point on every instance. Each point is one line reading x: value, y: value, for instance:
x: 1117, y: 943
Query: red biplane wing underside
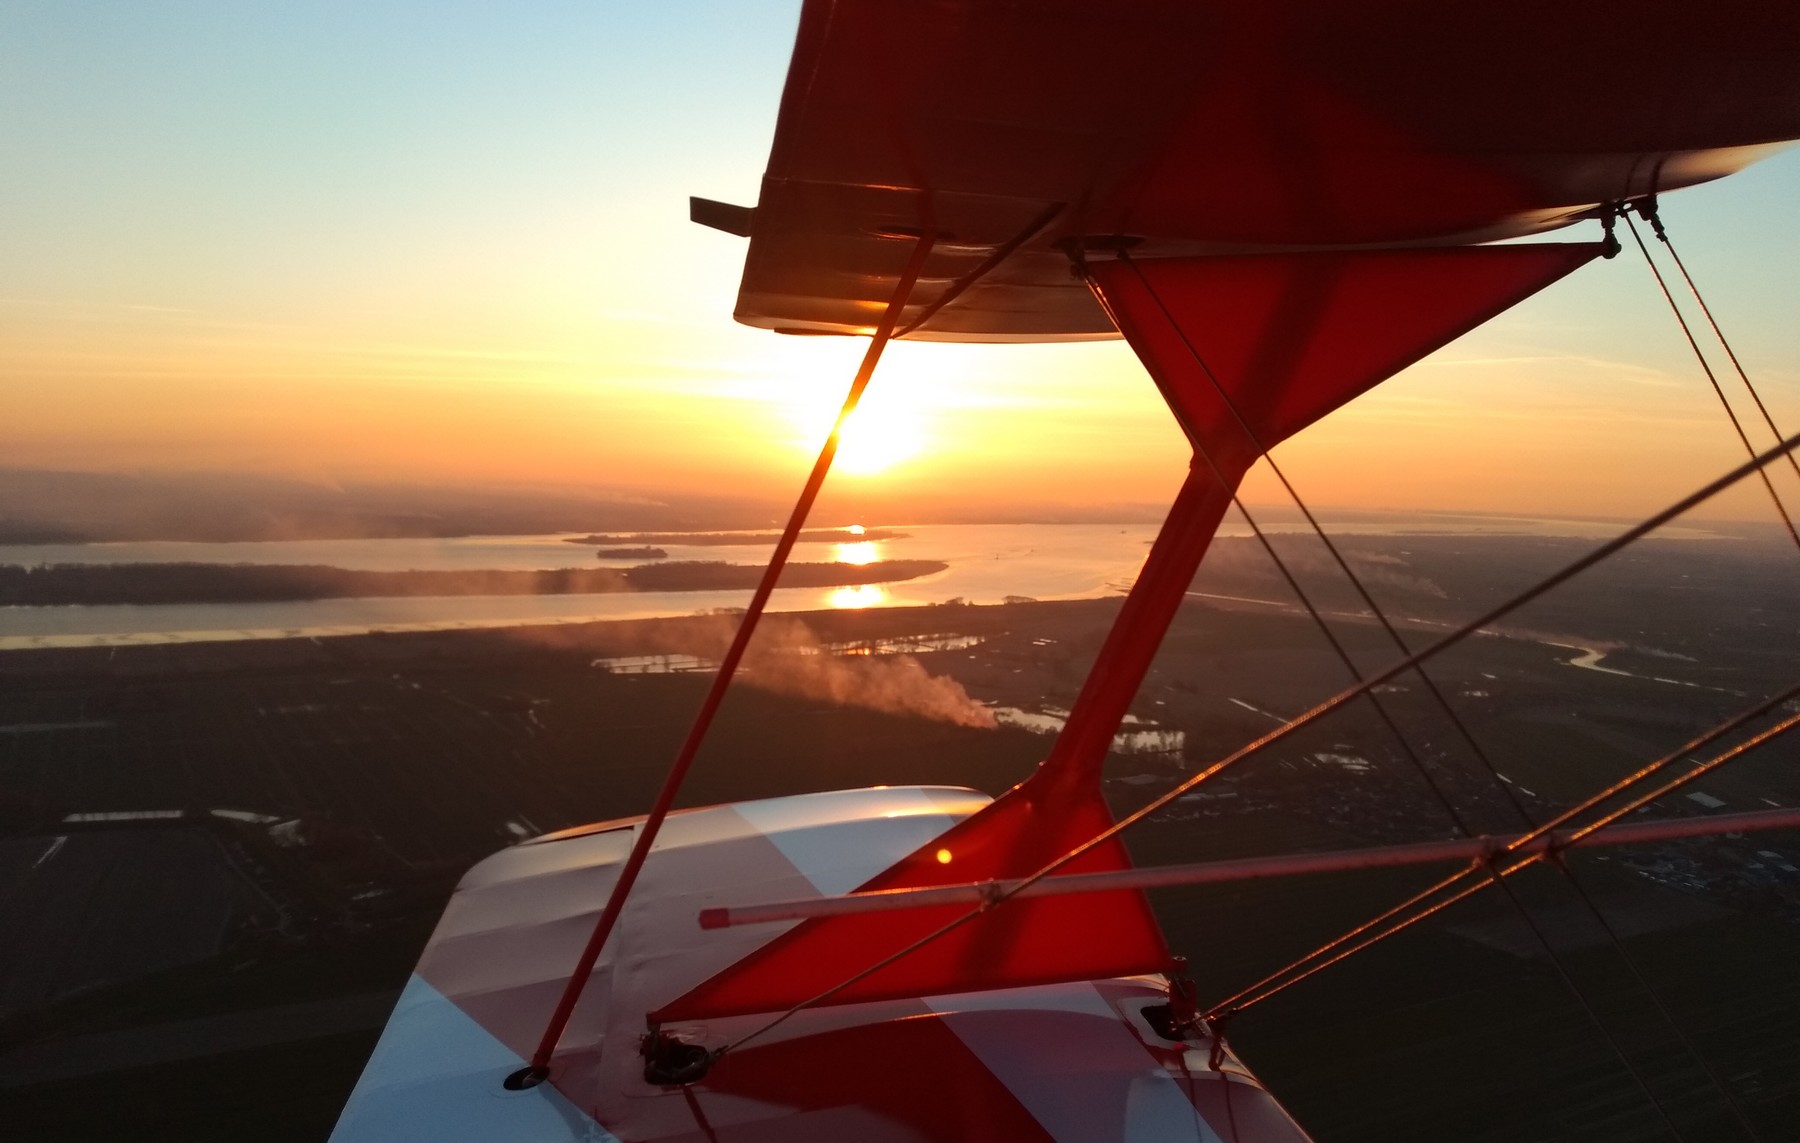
x: 1198, y: 128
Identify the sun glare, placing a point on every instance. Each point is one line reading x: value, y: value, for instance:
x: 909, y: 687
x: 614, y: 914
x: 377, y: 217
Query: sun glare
x: 860, y: 553
x: 875, y: 441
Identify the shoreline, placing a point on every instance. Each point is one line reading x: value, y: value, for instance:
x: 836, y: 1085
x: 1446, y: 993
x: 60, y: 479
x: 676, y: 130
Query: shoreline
x: 155, y: 584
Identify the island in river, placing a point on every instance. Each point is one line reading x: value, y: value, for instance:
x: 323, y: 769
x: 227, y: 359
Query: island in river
x: 60, y: 584
x: 743, y: 539
x: 632, y: 554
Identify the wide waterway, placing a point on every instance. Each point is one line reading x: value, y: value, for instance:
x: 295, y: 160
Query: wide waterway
x: 988, y: 563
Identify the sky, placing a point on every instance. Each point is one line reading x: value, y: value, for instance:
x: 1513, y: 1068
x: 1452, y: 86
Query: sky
x: 447, y: 242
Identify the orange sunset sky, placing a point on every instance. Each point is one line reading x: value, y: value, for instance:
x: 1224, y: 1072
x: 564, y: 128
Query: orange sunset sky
x: 448, y: 242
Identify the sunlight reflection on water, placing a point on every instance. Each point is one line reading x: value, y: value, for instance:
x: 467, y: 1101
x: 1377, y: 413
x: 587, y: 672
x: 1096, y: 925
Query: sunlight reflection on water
x: 862, y: 595
x: 676, y: 662
x: 862, y: 553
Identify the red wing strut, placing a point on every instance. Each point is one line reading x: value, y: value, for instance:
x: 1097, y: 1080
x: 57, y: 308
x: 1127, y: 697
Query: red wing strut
x: 1247, y: 351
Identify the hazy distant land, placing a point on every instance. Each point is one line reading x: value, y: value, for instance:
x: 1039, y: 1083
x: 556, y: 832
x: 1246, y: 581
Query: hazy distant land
x: 48, y: 507
x: 40, y: 506
x: 61, y: 584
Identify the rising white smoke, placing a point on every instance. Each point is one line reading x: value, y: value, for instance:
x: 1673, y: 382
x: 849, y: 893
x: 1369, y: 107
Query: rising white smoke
x: 788, y: 658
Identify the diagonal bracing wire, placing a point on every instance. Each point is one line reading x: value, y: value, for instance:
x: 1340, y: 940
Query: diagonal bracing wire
x: 1647, y: 209
x: 1355, y: 581
x: 1306, y: 718
x: 1257, y: 993
x: 1706, y: 367
x: 1286, y: 573
x: 538, y: 1069
x: 1496, y: 875
x: 1649, y: 213
x: 1443, y: 702
x: 1637, y: 974
x: 1757, y: 464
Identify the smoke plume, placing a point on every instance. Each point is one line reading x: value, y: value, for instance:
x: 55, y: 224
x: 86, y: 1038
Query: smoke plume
x: 787, y: 658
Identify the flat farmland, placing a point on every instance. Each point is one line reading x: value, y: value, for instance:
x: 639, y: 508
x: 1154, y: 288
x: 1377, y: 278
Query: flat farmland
x: 318, y: 799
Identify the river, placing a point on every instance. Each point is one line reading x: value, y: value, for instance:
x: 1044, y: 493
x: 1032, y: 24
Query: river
x: 988, y: 564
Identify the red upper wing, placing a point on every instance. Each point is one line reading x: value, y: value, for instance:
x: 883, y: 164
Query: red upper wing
x: 1202, y: 126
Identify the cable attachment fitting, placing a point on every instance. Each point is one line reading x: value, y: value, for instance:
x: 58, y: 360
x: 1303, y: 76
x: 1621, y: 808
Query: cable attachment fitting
x: 1077, y: 256
x: 1646, y: 210
x: 1609, y: 218
x: 1076, y: 248
x: 1216, y: 1060
x: 1184, y: 996
x: 1490, y: 864
x: 670, y: 1061
x: 1179, y: 1019
x: 1554, y: 855
x: 525, y: 1078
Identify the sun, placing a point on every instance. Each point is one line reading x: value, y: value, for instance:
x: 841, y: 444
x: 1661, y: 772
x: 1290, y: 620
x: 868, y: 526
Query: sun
x: 890, y: 427
x: 876, y: 439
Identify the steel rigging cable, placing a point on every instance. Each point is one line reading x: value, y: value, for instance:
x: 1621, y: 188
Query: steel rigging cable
x: 1418, y: 764
x: 1252, y: 995
x: 1306, y: 718
x: 538, y: 1069
x: 1647, y: 209
x: 1706, y: 367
